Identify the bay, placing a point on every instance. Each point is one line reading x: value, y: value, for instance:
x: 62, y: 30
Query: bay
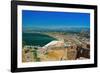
x: 36, y: 39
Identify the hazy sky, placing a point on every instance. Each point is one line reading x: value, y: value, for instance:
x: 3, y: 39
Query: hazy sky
x: 45, y: 19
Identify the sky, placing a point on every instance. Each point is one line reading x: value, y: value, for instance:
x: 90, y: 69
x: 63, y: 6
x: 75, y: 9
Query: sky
x: 48, y: 19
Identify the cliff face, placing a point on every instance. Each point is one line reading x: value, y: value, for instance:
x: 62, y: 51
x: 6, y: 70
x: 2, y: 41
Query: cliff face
x: 56, y: 51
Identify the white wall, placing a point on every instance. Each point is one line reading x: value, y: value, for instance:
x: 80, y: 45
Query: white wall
x: 5, y: 36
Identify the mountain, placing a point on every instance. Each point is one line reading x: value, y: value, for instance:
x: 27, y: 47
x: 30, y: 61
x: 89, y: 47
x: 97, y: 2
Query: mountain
x: 59, y: 29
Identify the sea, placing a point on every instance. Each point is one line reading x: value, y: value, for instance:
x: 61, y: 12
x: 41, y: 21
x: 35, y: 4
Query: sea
x: 36, y: 39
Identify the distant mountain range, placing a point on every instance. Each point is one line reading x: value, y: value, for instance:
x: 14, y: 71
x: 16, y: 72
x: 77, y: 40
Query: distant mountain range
x: 64, y: 29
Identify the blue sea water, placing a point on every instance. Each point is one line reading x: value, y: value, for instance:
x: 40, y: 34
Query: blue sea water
x: 36, y: 39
